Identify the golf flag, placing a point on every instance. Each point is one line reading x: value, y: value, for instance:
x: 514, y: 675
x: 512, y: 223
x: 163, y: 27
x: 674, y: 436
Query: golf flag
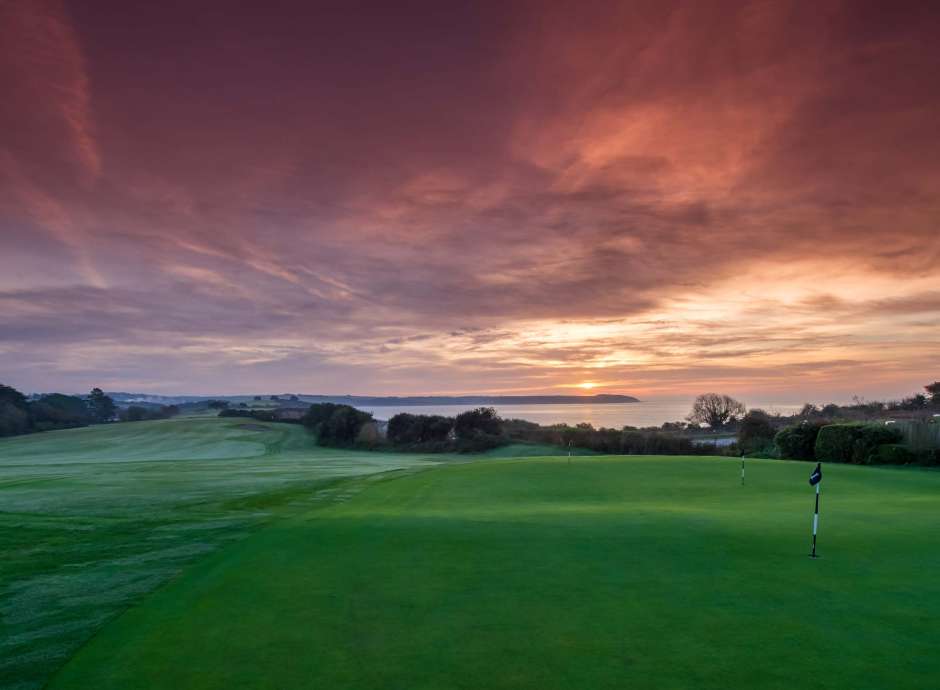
x: 814, y: 480
x: 816, y: 476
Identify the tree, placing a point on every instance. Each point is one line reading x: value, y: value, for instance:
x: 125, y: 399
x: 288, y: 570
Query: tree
x: 14, y: 412
x: 756, y: 431
x: 809, y: 410
x: 716, y: 410
x: 933, y: 389
x: 217, y: 404
x: 317, y: 414
x: 57, y: 411
x: 8, y: 394
x: 481, y: 421
x: 13, y: 420
x: 343, y: 426
x: 134, y: 413
x: 335, y: 425
x: 408, y: 429
x: 101, y: 406
x: 478, y: 429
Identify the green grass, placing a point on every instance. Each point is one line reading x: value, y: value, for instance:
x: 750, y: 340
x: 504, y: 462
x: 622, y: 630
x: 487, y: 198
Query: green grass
x: 92, y: 520
x: 528, y: 450
x: 608, y: 573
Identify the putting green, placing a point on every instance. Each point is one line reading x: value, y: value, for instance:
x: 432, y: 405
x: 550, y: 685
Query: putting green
x: 606, y: 573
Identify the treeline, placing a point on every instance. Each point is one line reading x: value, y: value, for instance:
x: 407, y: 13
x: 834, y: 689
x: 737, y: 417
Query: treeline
x: 473, y: 431
x: 482, y: 429
x: 21, y: 415
x: 625, y: 441
x: 140, y: 413
x: 344, y: 426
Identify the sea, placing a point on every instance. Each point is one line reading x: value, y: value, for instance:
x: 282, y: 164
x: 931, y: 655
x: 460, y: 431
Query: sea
x: 612, y: 415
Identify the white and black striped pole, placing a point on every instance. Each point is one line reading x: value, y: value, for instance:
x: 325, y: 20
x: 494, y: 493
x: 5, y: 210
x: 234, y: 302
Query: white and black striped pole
x: 815, y: 479
x: 742, y: 468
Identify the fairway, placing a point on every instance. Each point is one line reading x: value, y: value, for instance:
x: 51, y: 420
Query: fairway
x: 93, y: 519
x: 643, y: 572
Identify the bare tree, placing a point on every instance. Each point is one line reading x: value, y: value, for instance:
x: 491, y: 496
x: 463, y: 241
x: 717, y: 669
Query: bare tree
x: 716, y: 410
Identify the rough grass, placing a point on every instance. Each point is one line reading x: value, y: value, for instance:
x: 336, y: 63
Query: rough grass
x: 608, y: 573
x: 93, y: 519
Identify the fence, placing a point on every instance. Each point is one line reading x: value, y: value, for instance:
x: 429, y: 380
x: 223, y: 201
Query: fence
x: 920, y: 435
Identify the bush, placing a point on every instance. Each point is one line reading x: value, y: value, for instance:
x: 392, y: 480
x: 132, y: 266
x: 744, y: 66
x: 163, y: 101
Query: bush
x: 260, y: 415
x: 853, y: 443
x: 317, y: 414
x: 134, y: 414
x: 57, y: 411
x: 482, y: 420
x: 335, y: 425
x: 798, y: 442
x: 412, y: 430
x: 479, y: 429
x: 138, y: 413
x: 893, y: 454
x: 756, y: 432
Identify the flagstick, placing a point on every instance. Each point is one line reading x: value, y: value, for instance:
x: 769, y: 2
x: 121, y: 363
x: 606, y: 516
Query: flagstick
x: 742, y: 470
x: 815, y: 520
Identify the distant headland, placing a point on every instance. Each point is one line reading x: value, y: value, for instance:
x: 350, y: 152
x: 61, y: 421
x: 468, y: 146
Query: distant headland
x: 391, y: 400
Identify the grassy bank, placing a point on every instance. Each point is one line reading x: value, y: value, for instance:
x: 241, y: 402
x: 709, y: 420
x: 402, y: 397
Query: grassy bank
x: 93, y: 519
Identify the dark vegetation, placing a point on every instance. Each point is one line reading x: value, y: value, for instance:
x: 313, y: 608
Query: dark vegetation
x: 22, y: 415
x: 140, y: 413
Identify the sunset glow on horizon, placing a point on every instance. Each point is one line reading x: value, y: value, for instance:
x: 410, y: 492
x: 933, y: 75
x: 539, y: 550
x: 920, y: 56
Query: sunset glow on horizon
x: 647, y: 198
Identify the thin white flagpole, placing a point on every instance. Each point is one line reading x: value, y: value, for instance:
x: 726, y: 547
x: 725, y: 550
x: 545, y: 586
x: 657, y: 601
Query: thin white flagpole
x: 815, y: 520
x: 742, y: 470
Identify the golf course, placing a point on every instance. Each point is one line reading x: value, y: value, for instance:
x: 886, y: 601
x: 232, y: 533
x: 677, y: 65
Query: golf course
x: 210, y: 554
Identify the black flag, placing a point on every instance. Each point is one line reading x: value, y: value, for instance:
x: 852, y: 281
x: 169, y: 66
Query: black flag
x: 816, y: 476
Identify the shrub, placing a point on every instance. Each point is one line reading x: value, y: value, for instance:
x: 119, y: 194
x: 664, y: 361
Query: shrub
x: 798, y: 442
x: 479, y: 429
x: 317, y: 414
x: 134, y: 414
x: 472, y: 423
x: 368, y: 435
x: 852, y: 443
x: 416, y: 429
x: 892, y: 454
x: 341, y: 425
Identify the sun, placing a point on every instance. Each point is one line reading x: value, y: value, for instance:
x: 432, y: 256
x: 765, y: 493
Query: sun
x: 587, y: 385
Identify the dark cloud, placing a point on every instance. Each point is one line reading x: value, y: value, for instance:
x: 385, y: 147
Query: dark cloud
x: 609, y: 191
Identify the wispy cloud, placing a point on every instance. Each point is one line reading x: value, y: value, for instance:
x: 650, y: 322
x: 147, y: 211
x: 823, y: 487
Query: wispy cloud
x: 653, y: 196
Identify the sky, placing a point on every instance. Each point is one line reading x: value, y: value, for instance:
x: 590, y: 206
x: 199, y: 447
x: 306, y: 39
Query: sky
x: 650, y: 198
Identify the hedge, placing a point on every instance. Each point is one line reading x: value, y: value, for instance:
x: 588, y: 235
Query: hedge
x: 854, y: 443
x: 798, y: 442
x: 893, y: 454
